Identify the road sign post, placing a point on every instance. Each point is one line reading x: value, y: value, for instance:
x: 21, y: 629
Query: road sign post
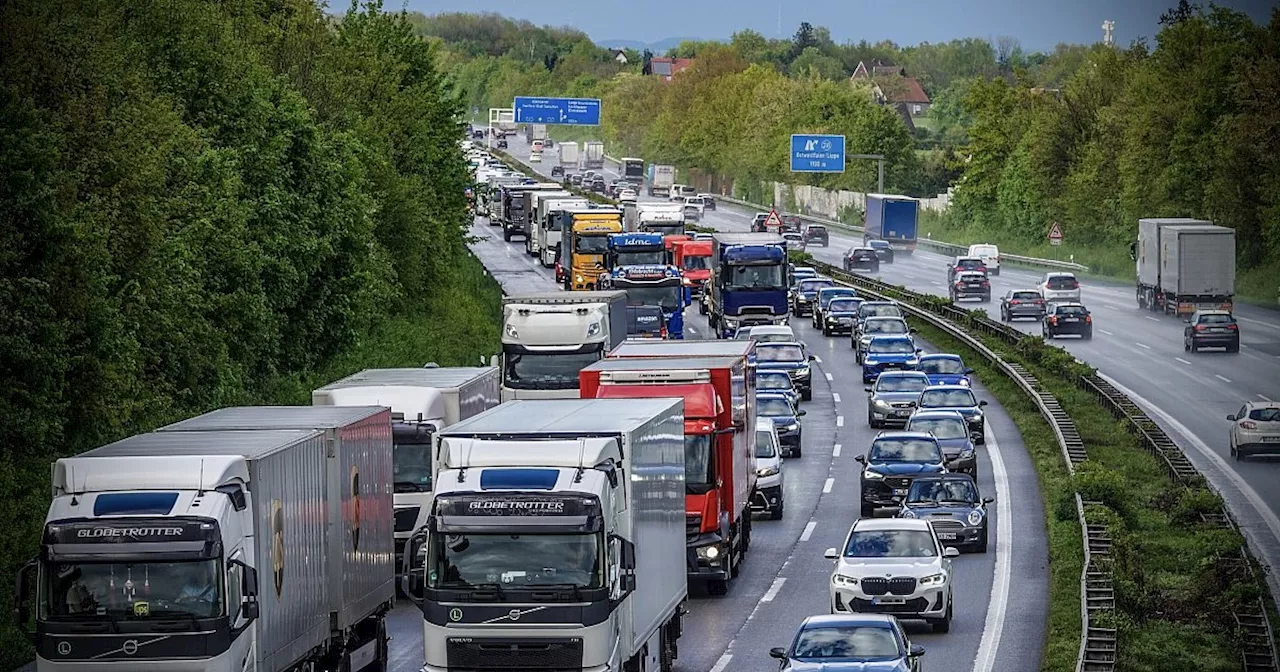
x: 558, y: 111
x: 1055, y: 234
x: 817, y: 153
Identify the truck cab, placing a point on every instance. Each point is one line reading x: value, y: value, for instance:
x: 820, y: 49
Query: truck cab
x: 547, y: 338
x: 748, y: 283
x: 666, y: 219
x: 693, y: 258
x: 586, y: 246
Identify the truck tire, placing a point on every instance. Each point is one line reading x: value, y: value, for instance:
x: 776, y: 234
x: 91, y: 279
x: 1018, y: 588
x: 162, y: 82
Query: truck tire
x: 506, y: 235
x: 718, y: 587
x: 806, y: 394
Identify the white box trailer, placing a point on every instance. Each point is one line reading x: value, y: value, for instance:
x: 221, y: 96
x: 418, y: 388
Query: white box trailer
x: 568, y: 154
x: 532, y: 244
x: 548, y: 229
x: 1184, y: 265
x: 604, y: 478
x: 593, y: 155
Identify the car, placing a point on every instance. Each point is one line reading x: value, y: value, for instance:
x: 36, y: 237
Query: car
x: 825, y: 295
x: 892, y: 398
x: 956, y: 398
x: 794, y: 241
x: 883, y: 250
x: 1067, y: 318
x: 870, y: 309
x: 954, y: 508
x: 969, y: 284
x: 1255, y: 429
x: 628, y: 196
x: 887, y: 353
x: 502, y: 143
x: 767, y: 497
x: 779, y: 382
x: 801, y: 272
x: 892, y: 462
x: 989, y: 254
x: 702, y: 235
x: 575, y: 179
x: 597, y: 185
x: 778, y: 409
x: 769, y: 333
x: 945, y: 369
x: 1022, y: 303
x: 896, y: 566
x: 962, y: 264
x: 789, y: 357
x: 839, y: 315
x: 677, y: 193
x: 861, y: 259
x: 806, y: 293
x: 791, y: 223
x: 645, y: 322
x: 1211, y: 329
x: 1059, y: 286
x: 535, y: 157
x: 709, y: 201
x: 694, y: 207
x: 848, y: 643
x: 876, y: 326
x: 817, y: 233
x: 954, y: 438
x: 589, y: 175
x: 557, y: 171
x: 757, y: 222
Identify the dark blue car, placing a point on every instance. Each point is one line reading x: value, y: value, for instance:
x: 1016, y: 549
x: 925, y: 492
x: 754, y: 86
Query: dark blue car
x: 886, y: 353
x: 850, y: 643
x: 945, y: 369
x: 778, y: 408
x: 789, y: 357
x: 892, y: 464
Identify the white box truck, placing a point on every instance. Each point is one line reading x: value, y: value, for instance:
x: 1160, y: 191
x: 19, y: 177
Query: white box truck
x: 593, y: 155
x: 569, y: 154
x: 1185, y: 265
x: 422, y: 401
x: 556, y: 538
x: 550, y: 222
x: 548, y: 337
x: 661, y: 179
x: 213, y: 551
x: 532, y: 244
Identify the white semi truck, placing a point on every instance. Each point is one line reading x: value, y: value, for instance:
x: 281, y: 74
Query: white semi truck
x: 547, y: 338
x: 556, y: 539
x: 422, y: 401
x: 568, y: 154
x: 661, y: 179
x: 593, y: 155
x: 665, y: 218
x: 532, y: 244
x: 197, y: 549
x: 551, y: 219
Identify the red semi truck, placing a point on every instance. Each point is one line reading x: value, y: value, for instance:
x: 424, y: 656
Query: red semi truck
x: 720, y: 416
x: 693, y: 258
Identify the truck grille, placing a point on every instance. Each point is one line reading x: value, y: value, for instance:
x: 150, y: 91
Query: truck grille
x: 547, y: 655
x: 692, y: 526
x: 898, y: 585
x: 406, y: 517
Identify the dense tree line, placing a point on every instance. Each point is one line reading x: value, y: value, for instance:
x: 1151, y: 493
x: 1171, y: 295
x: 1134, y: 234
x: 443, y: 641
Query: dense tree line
x: 198, y: 200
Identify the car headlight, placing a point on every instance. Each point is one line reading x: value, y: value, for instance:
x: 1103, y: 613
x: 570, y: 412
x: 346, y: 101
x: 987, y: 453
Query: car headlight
x: 767, y: 471
x: 842, y: 580
x: 975, y: 517
x: 965, y: 382
x: 966, y: 453
x: 803, y: 372
x: 512, y: 332
x: 793, y: 427
x: 872, y: 475
x: 933, y: 580
x: 908, y: 513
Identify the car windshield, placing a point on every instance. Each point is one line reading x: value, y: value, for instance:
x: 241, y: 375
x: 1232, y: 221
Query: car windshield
x: 695, y: 263
x: 546, y: 370
x: 1027, y: 296
x: 904, y: 450
x: 891, y: 383
x: 943, y: 428
x: 942, y: 490
x: 983, y: 251
x: 1062, y: 282
x: 515, y: 560
x: 947, y: 398
x: 1217, y: 318
x: 826, y: 296
x: 880, y: 310
x: 942, y: 365
x: 891, y: 544
x: 847, y: 643
x: 843, y: 306
x: 864, y: 252
x: 165, y: 589
x: 773, y: 381
x: 764, y: 444
x: 817, y: 229
x: 755, y: 277
x: 699, y: 468
x: 970, y: 263
x: 773, y: 338
x: 589, y: 244
x: 779, y: 353
x: 885, y: 327
x: 639, y: 258
x: 1265, y: 414
x: 807, y: 286
x: 774, y: 407
x: 1071, y: 310
x: 891, y: 346
x: 666, y: 297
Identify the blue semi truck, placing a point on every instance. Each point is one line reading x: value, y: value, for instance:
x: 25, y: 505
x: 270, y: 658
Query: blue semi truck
x: 638, y: 264
x: 749, y: 282
x: 892, y: 219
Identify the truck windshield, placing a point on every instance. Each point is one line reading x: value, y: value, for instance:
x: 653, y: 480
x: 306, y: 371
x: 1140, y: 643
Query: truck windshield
x: 667, y: 297
x: 515, y: 561
x: 591, y: 244
x: 411, y: 457
x: 699, y: 468
x: 163, y: 589
x: 547, y: 370
x: 665, y: 228
x: 755, y: 277
x: 696, y: 263
x: 640, y: 258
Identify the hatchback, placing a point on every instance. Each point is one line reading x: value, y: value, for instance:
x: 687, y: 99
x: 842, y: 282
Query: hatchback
x: 1059, y: 286
x: 1022, y: 303
x: 861, y: 259
x: 1067, y: 318
x: 817, y: 233
x: 1255, y: 429
x: 1211, y: 329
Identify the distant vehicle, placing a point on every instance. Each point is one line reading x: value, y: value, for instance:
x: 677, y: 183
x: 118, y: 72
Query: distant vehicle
x: 1184, y: 265
x: 969, y: 284
x: 1255, y: 429
x: 840, y: 643
x: 892, y: 219
x: 870, y: 309
x: 779, y: 382
x: 1211, y: 329
x: 791, y: 223
x: 709, y: 199
x: 956, y: 398
x: 861, y: 259
x: 1022, y: 303
x: 989, y: 254
x: 962, y: 264
x: 874, y: 327
x: 894, y: 460
x: 597, y: 185
x: 1067, y: 318
x: 575, y: 179
x: 785, y: 416
x: 886, y: 353
x: 757, y: 222
x: 795, y: 241
x: 557, y: 171
x: 1060, y: 286
x: 817, y: 233
x: 825, y: 296
x: 800, y: 272
x: 954, y: 438
x: 694, y: 207
x: 945, y: 369
x: 789, y: 357
x: 677, y: 192
x: 954, y: 508
x: 628, y: 196
x: 771, y: 333
x: 806, y: 294
x: 687, y: 191
x: 839, y: 315
x: 892, y: 399
x: 768, y: 497
x: 502, y: 143
x: 883, y: 250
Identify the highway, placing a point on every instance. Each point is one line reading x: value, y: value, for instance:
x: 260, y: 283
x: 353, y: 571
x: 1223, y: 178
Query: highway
x: 1000, y: 603
x: 1189, y: 394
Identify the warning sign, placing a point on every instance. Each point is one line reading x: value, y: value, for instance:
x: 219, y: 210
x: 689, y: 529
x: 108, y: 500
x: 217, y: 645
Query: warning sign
x: 774, y: 223
x: 1055, y: 234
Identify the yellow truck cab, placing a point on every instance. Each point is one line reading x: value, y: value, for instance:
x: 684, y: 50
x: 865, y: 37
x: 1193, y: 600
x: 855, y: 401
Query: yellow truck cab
x: 587, y: 244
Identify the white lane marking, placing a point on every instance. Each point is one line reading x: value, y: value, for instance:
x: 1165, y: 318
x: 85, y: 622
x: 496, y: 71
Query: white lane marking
x: 826, y: 487
x: 835, y: 450
x: 1142, y: 345
x: 1269, y: 325
x: 722, y: 663
x: 839, y: 421
x: 1260, y: 396
x: 773, y: 590
x: 1183, y: 361
x: 808, y: 530
x: 817, y: 359
x: 835, y: 396
x: 997, y: 607
x: 1106, y: 332
x: 1153, y: 319
x: 1222, y: 378
x: 1252, y: 498
x: 829, y: 378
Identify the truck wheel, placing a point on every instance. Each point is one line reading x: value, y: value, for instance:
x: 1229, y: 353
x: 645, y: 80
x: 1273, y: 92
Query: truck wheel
x: 667, y: 655
x: 868, y: 511
x: 702, y: 308
x: 718, y: 587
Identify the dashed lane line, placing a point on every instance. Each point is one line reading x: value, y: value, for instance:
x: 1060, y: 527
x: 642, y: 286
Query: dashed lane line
x: 773, y: 589
x: 808, y: 530
x: 826, y: 487
x: 835, y: 450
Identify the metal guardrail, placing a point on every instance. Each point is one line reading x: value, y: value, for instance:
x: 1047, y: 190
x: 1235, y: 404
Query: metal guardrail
x: 935, y: 245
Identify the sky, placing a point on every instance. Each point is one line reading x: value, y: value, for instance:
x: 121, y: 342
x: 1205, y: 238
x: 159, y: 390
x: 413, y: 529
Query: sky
x: 1037, y: 24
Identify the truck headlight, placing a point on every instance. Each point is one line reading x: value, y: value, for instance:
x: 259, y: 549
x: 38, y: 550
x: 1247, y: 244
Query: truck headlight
x: 577, y: 278
x: 767, y: 471
x: 709, y: 552
x: 933, y: 580
x: 975, y: 517
x: 512, y: 332
x: 593, y: 329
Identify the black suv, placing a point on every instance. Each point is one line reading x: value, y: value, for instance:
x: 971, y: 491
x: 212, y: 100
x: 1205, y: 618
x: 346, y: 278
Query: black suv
x: 962, y: 264
x: 1211, y: 329
x: 817, y: 233
x: 1067, y: 318
x: 861, y: 259
x: 968, y: 284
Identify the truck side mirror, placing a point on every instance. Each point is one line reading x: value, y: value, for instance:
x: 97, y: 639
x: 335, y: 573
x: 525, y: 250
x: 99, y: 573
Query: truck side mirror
x: 249, y: 610
x: 248, y: 579
x: 414, y: 563
x: 22, y: 595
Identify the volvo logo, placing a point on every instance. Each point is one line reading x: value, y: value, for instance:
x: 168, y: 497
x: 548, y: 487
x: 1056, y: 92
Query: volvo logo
x: 130, y: 647
x: 514, y: 614
x: 64, y: 648
x: 455, y: 614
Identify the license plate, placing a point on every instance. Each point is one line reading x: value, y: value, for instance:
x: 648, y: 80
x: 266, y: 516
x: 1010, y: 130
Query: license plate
x: 901, y: 414
x: 974, y: 285
x: 899, y: 492
x: 1070, y: 319
x: 1216, y: 329
x: 947, y: 536
x: 888, y: 599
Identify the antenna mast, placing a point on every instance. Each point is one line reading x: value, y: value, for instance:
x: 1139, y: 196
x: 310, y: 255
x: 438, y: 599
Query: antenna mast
x: 1107, y: 38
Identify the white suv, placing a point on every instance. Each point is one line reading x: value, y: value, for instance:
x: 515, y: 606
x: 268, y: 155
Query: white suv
x: 989, y: 254
x: 768, y: 495
x: 1059, y: 286
x: 893, y: 566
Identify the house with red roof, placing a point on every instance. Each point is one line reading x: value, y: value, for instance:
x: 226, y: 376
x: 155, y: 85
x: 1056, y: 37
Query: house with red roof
x: 666, y: 68
x: 891, y: 86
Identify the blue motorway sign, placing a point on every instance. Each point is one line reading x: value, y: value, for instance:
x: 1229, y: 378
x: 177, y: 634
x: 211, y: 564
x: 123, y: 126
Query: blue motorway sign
x: 567, y: 111
x: 817, y: 153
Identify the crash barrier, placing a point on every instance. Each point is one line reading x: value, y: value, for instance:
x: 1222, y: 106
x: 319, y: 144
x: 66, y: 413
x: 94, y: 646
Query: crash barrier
x: 934, y: 245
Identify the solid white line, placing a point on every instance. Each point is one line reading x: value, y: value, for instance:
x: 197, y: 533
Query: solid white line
x: 1106, y: 332
x: 829, y: 379
x: 773, y: 590
x: 1183, y: 361
x: 997, y: 607
x: 826, y: 487
x: 722, y: 663
x: 839, y: 421
x: 1153, y: 319
x: 835, y: 450
x: 1141, y: 345
x: 808, y: 530
x: 1222, y: 378
x: 835, y: 396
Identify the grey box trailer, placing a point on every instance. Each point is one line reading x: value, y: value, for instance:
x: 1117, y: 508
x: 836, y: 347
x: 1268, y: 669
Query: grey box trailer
x: 1184, y: 265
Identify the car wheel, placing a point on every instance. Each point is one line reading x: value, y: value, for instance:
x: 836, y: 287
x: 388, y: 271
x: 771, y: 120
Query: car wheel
x: 981, y: 546
x: 943, y: 625
x: 806, y: 394
x: 776, y: 514
x: 1186, y: 345
x: 1233, y: 348
x: 872, y: 423
x: 1194, y: 347
x: 1088, y: 335
x: 868, y: 511
x: 797, y: 452
x: 982, y: 438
